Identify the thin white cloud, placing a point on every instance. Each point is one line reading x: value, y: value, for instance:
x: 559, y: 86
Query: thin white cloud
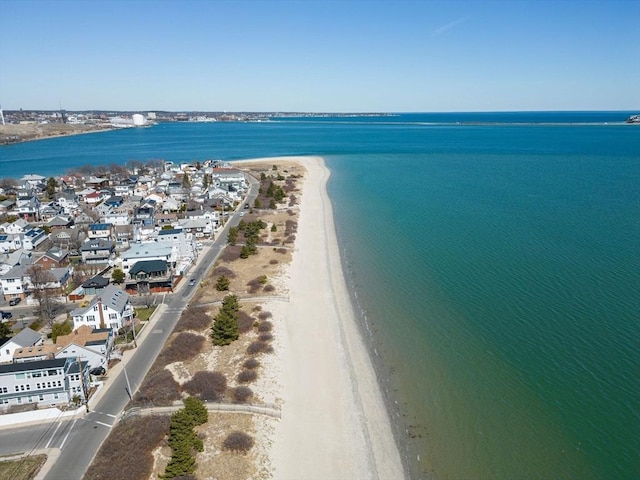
x: 448, y: 26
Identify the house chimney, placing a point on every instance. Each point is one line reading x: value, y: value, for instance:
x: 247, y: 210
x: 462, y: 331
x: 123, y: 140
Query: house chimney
x: 102, y: 324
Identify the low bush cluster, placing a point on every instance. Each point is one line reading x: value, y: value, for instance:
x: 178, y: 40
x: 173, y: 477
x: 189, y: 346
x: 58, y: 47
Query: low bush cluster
x: 230, y: 253
x: 264, y: 315
x: 193, y: 318
x: 245, y: 322
x: 238, y: 442
x: 258, y: 347
x: 265, y: 326
x: 223, y: 271
x: 265, y: 337
x: 242, y: 394
x: 158, y: 389
x: 247, y: 376
x: 290, y: 227
x: 251, y: 363
x: 208, y: 386
x: 184, y: 346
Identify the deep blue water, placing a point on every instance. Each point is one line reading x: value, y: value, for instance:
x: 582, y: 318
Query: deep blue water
x: 495, y: 259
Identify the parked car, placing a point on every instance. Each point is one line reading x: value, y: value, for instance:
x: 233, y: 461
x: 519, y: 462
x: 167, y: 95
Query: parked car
x: 6, y: 314
x: 14, y: 301
x: 192, y: 282
x: 98, y: 371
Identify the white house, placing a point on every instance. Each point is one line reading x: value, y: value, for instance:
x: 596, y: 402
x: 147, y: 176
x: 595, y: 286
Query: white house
x: 33, y: 238
x: 99, y: 230
x: 10, y: 242
x: 46, y: 382
x: 24, y: 339
x: 117, y: 216
x: 15, y: 282
x: 93, y: 346
x: 19, y: 226
x: 109, y: 309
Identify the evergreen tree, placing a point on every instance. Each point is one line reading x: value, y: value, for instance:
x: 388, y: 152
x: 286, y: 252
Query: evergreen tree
x: 196, y: 409
x: 225, y: 323
x: 59, y: 329
x: 222, y: 284
x: 224, y: 329
x: 117, y: 276
x: 5, y: 331
x: 52, y: 184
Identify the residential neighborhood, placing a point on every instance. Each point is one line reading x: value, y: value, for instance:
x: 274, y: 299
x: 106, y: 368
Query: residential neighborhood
x: 78, y: 247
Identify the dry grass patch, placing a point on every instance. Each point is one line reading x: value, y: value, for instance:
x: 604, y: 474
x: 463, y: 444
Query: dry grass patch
x: 215, y: 462
x: 23, y: 469
x: 117, y: 456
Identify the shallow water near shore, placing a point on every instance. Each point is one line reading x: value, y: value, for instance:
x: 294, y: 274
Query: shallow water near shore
x: 497, y: 267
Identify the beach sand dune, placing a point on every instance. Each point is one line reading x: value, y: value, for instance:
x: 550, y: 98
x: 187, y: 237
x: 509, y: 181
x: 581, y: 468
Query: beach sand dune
x: 334, y: 422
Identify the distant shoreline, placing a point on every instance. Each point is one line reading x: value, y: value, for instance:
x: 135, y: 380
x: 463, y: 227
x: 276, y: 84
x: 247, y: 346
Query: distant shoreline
x: 12, y: 134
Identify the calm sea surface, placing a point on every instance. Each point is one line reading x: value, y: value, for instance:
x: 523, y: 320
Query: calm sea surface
x: 496, y: 265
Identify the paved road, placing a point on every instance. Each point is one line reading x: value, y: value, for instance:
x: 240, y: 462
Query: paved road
x: 80, y: 438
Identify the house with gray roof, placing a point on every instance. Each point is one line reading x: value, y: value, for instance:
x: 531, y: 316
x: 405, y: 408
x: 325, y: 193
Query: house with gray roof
x: 98, y: 251
x: 150, y: 275
x: 24, y: 339
x: 109, y: 309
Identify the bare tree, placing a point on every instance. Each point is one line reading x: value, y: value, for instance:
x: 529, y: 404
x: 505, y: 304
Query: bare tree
x: 8, y: 183
x: 44, y: 293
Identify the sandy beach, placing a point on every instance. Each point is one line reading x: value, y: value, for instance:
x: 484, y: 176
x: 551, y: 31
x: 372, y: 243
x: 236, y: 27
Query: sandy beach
x: 334, y: 422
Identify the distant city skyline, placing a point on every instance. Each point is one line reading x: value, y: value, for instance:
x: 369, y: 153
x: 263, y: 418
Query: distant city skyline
x: 320, y: 56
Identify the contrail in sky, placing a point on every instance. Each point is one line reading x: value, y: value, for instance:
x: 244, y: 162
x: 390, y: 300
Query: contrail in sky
x: 448, y: 26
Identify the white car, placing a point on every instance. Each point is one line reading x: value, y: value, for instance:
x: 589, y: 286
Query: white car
x: 242, y: 214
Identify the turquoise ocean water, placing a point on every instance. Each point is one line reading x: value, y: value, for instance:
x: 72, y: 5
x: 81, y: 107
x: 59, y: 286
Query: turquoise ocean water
x: 495, y: 260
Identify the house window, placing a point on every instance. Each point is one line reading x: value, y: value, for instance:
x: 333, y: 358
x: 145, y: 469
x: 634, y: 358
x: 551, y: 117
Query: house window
x: 52, y: 373
x: 20, y: 376
x: 113, y: 316
x: 19, y: 400
x: 40, y: 398
x: 90, y: 318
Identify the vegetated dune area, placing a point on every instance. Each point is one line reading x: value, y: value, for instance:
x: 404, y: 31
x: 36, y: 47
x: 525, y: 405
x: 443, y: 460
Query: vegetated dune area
x: 35, y: 131
x: 295, y: 396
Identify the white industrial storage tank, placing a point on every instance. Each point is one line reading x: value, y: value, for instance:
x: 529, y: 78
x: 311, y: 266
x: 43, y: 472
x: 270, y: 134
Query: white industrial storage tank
x: 138, y: 120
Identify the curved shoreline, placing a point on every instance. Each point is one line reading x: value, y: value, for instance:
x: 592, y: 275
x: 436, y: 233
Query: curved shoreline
x: 335, y: 422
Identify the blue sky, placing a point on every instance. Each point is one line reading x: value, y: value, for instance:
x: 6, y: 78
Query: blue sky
x: 320, y: 56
